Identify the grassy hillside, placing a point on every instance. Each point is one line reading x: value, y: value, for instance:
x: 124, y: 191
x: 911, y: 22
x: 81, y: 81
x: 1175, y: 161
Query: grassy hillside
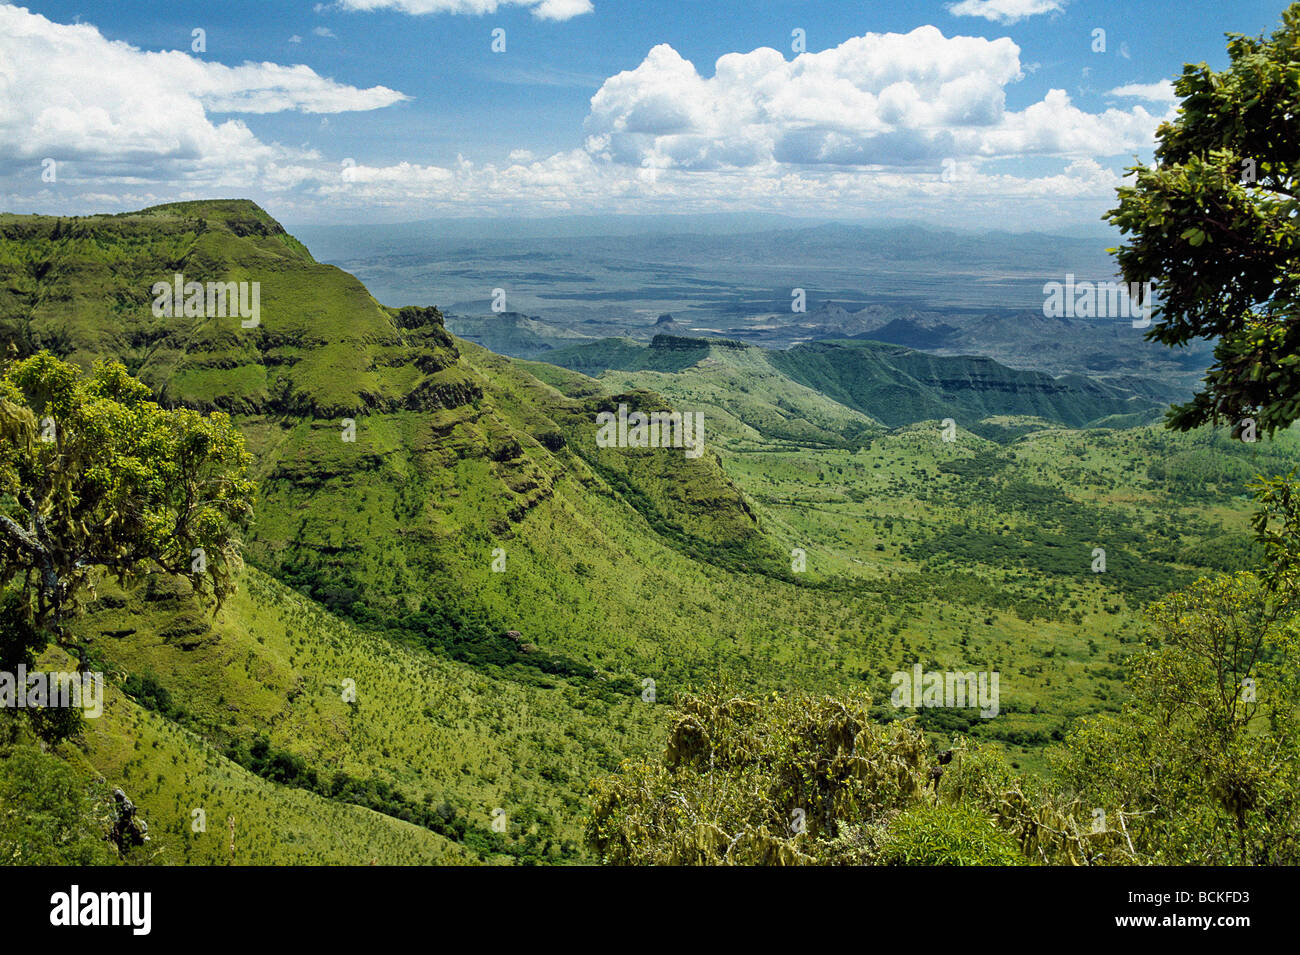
x: 745, y: 400
x: 428, y: 740
x: 979, y: 551
x: 806, y: 394
x: 82, y: 287
x: 436, y: 525
x: 900, y: 386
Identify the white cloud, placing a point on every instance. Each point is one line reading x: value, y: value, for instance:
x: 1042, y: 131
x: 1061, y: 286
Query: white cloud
x: 561, y: 9
x: 1161, y: 91
x: 879, y: 100
x: 69, y: 93
x: 541, y: 9
x: 1005, y: 11
x: 575, y: 181
x: 867, y: 127
x: 323, y: 31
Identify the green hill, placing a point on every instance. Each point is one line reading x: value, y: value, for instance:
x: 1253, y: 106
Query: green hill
x: 900, y: 386
x: 437, y: 524
x: 805, y: 394
x: 428, y: 750
x: 324, y: 347
x: 745, y: 398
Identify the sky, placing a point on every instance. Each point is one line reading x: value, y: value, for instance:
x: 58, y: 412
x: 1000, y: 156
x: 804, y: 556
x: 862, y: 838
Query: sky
x: 1015, y: 114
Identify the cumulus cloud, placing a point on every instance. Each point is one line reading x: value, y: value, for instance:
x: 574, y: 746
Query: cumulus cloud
x: 69, y: 93
x: 912, y: 123
x: 879, y: 100
x: 1005, y: 11
x: 541, y: 9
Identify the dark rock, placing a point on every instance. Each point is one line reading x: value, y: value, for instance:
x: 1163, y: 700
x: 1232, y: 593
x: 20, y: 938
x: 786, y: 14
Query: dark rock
x: 129, y: 830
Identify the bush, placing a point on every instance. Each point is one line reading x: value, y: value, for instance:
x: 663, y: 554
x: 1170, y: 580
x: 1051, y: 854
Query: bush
x: 947, y: 835
x: 47, y: 815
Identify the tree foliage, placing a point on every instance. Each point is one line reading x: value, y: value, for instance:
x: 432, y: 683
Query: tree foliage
x: 1205, y: 756
x: 48, y: 816
x: 94, y: 474
x: 1277, y: 533
x: 797, y: 779
x: 1214, y: 226
x: 756, y: 782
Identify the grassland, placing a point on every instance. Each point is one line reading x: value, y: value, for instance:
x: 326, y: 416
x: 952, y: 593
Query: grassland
x: 497, y: 591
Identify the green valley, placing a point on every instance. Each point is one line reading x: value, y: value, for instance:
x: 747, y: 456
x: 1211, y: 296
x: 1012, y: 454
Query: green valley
x: 458, y: 608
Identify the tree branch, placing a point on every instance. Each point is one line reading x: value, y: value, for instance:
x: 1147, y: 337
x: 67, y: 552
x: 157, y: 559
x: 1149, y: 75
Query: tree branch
x: 22, y: 538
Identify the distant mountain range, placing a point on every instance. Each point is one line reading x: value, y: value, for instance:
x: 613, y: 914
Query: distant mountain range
x: 1105, y: 351
x: 789, y: 393
x: 702, y: 277
x: 773, y: 282
x: 333, y: 241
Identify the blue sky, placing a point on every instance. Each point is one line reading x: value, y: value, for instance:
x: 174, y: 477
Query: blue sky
x: 383, y: 110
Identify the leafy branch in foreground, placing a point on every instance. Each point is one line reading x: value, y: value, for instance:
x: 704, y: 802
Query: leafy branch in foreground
x: 1215, y: 226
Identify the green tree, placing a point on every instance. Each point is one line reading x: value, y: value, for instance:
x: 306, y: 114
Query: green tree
x: 48, y: 816
x: 1203, y: 761
x: 748, y: 781
x: 796, y: 779
x: 94, y: 474
x: 1214, y: 227
x: 1277, y: 532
